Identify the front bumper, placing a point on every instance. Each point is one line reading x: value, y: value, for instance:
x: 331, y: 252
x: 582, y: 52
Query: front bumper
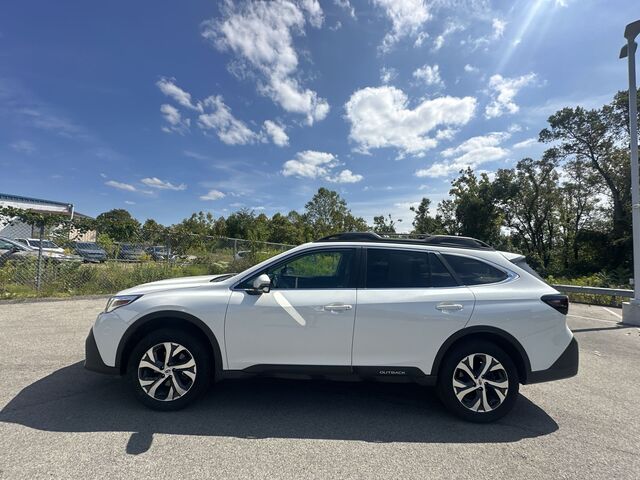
x: 93, y: 360
x: 564, y: 367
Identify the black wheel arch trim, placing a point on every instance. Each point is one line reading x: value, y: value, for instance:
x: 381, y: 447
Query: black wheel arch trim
x: 170, y: 315
x: 480, y: 329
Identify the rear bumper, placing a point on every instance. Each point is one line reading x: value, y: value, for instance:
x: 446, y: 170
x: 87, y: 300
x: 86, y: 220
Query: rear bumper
x: 564, y: 367
x: 93, y: 360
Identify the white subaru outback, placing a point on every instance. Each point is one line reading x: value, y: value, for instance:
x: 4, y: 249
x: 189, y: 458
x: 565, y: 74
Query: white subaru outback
x: 445, y: 311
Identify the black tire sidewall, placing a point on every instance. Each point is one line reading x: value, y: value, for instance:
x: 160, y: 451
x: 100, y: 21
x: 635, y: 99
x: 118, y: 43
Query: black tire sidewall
x: 204, y: 364
x: 445, y: 386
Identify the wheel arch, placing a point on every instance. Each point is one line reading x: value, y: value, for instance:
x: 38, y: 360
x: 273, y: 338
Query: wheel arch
x: 501, y: 338
x: 167, y: 319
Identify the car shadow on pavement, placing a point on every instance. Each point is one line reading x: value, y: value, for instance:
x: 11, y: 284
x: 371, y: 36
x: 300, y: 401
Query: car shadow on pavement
x: 74, y: 400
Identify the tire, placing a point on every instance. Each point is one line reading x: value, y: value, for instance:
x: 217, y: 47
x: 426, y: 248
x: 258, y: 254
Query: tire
x: 186, y: 376
x: 488, y: 376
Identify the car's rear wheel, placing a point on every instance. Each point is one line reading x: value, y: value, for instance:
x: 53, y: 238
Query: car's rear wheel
x: 478, y: 382
x: 168, y: 369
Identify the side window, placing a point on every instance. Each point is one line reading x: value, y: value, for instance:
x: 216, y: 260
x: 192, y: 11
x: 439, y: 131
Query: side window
x: 324, y: 269
x: 474, y: 272
x: 388, y: 268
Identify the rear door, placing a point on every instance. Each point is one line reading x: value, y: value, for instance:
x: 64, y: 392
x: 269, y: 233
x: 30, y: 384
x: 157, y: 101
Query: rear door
x: 409, y: 306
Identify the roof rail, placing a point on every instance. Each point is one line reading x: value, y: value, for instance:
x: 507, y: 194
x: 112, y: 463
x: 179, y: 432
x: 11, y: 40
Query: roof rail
x: 453, y: 241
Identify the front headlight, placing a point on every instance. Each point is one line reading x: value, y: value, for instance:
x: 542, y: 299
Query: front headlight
x: 120, y: 301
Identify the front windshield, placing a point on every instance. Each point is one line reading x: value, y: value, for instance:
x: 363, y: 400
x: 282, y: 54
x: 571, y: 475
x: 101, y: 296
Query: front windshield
x: 45, y: 244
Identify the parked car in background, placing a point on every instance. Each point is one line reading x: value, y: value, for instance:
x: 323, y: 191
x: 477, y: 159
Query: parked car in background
x: 13, y: 250
x: 160, y: 253
x: 129, y: 252
x: 47, y: 245
x: 90, y: 251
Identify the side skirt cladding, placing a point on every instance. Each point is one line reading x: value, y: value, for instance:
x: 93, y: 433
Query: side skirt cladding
x: 338, y: 372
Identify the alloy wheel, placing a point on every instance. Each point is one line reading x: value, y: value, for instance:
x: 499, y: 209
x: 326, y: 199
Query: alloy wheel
x: 167, y: 371
x: 480, y: 382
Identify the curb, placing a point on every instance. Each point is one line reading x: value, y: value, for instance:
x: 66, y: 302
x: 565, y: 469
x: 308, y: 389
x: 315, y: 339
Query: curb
x: 51, y: 299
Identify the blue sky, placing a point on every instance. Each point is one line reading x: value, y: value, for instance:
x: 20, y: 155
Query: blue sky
x: 166, y: 108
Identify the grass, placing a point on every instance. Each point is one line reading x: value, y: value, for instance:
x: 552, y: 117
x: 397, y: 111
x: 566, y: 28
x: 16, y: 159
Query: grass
x: 66, y: 279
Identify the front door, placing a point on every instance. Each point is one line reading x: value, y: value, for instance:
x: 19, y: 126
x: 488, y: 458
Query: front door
x: 306, y: 319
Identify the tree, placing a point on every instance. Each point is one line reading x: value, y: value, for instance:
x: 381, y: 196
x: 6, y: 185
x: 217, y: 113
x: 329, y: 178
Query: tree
x: 423, y: 223
x: 475, y: 207
x: 119, y: 225
x: 529, y: 198
x: 154, y: 233
x: 600, y: 138
x: 327, y: 213
x: 382, y: 224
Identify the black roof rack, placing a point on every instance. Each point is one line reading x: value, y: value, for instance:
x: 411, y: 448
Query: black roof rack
x: 416, y: 239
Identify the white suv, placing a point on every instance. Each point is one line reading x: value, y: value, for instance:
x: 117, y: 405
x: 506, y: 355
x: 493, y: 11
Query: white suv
x: 445, y: 311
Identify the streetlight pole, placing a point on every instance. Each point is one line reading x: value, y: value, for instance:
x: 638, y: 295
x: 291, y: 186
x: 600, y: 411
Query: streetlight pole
x: 631, y: 310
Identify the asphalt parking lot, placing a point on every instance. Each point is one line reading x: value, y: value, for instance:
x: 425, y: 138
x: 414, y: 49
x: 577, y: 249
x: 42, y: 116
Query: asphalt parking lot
x: 60, y: 421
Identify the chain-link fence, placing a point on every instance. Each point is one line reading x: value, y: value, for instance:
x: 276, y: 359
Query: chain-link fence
x: 46, y: 262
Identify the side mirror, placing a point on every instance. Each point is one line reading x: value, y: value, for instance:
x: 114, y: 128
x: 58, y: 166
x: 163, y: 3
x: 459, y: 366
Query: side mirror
x: 262, y: 284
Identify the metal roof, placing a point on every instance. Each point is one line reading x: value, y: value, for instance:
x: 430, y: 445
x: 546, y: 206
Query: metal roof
x: 37, y: 201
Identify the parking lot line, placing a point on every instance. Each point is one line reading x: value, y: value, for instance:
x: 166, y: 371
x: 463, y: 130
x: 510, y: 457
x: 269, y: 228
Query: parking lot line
x: 613, y: 313
x: 591, y: 318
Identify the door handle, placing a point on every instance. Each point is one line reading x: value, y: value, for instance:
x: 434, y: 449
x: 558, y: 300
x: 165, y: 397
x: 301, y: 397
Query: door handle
x: 337, y: 307
x: 449, y: 307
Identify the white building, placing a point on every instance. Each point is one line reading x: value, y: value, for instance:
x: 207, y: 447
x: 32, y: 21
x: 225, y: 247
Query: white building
x: 19, y: 229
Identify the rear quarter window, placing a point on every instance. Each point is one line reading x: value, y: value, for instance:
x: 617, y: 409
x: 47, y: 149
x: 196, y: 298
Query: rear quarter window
x: 474, y: 272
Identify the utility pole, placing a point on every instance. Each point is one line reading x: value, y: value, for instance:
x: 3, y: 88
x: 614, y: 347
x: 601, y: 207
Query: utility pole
x: 631, y: 310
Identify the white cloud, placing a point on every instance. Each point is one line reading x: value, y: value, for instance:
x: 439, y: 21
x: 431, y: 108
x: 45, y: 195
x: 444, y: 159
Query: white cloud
x: 121, y: 186
x: 503, y: 93
x: 215, y: 115
x: 314, y: 11
x: 451, y: 28
x: 337, y: 26
x: 174, y: 119
x: 212, y: 195
x: 171, y: 90
x: 260, y: 34
x: 346, y: 176
x: 498, y: 28
x: 388, y: 74
x: 526, y: 143
x: 310, y: 164
x: 129, y: 202
x: 277, y: 133
x: 429, y: 74
x: 23, y: 146
x: 422, y: 36
x: 155, y: 182
x: 314, y: 164
x: 471, y: 69
x: 471, y: 153
x: 380, y: 117
x: 228, y: 128
x: 346, y: 5
x: 407, y: 18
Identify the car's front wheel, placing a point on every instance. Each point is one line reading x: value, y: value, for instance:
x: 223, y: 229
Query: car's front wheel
x: 478, y: 382
x: 168, y: 369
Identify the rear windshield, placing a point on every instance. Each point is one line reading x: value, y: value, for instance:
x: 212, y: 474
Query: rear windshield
x: 474, y: 272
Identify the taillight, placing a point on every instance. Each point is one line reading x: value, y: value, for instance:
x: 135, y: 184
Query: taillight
x: 559, y: 302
